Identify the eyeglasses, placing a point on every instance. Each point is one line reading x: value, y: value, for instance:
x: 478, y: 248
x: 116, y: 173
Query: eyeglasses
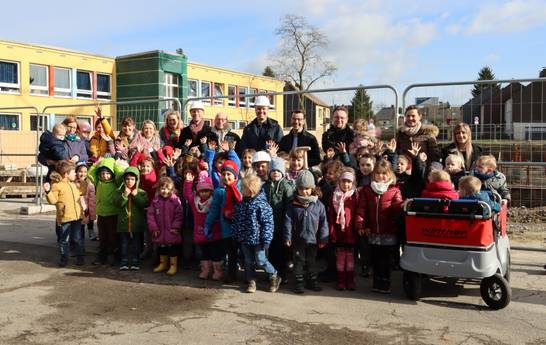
x: 72, y: 127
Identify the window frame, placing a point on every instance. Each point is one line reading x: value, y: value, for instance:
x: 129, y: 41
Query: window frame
x: 39, y: 88
x: 201, y: 83
x: 243, y: 101
x: 219, y: 102
x: 57, y: 90
x: 17, y: 115
x: 15, y: 86
x: 103, y: 94
x: 45, y: 121
x: 83, y: 93
x: 252, y: 100
x: 241, y: 124
x: 191, y: 81
x: 271, y: 100
x: 170, y: 87
x: 232, y: 102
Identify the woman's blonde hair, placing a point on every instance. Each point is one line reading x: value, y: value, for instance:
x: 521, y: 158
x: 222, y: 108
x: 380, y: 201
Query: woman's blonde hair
x: 178, y: 118
x: 148, y: 122
x: 465, y: 128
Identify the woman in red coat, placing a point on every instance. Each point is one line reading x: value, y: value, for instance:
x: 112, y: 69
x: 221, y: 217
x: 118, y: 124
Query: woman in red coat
x: 379, y: 207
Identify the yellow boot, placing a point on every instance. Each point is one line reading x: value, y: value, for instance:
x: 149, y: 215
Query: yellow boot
x: 174, y: 266
x: 162, y: 264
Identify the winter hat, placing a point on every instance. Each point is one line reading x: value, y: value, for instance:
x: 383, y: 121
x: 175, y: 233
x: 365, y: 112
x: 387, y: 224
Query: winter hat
x: 79, y: 165
x: 347, y: 176
x: 305, y: 179
x: 261, y: 156
x: 277, y: 164
x: 168, y: 151
x: 436, y: 166
x: 230, y: 166
x: 202, y: 165
x: 204, y: 182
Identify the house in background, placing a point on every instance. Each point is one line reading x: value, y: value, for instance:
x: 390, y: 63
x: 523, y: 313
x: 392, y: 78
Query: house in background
x: 317, y: 112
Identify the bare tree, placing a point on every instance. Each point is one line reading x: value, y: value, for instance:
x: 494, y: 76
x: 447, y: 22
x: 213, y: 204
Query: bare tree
x: 299, y: 59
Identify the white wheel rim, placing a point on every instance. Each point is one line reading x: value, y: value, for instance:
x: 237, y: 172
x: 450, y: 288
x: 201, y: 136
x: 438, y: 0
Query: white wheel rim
x: 495, y: 292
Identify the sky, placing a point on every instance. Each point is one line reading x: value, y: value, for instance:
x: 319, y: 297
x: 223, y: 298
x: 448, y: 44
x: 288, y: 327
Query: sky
x: 370, y: 42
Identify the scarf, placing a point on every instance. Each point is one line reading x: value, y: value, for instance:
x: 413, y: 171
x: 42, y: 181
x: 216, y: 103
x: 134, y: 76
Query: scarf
x: 195, y: 128
x: 171, y: 136
x: 233, y: 196
x: 201, y: 205
x: 71, y: 137
x: 411, y: 131
x: 483, y: 176
x: 380, y: 187
x: 305, y: 201
x: 338, y: 200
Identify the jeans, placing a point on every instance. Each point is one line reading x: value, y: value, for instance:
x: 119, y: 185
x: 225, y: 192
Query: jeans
x: 130, y: 248
x: 255, y: 256
x: 68, y: 232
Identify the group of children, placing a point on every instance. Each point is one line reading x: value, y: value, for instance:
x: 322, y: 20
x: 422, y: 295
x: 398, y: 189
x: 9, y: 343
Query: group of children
x: 266, y: 206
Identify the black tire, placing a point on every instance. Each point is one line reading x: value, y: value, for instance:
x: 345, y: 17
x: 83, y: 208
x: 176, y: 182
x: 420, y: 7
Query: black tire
x: 412, y: 285
x: 495, y: 291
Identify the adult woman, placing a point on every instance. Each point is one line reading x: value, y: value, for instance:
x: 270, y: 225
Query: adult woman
x: 170, y: 133
x: 102, y: 142
x: 413, y: 131
x: 462, y: 146
x: 75, y: 146
x: 146, y: 139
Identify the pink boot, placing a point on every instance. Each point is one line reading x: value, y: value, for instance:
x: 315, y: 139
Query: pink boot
x: 205, y: 269
x: 217, y: 267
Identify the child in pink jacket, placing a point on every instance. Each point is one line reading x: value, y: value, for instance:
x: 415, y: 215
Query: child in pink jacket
x: 87, y: 189
x: 164, y: 216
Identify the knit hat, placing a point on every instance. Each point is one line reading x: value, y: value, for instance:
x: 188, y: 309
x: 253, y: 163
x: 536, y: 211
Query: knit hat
x: 305, y: 179
x: 436, y: 166
x: 202, y: 165
x: 168, y: 151
x: 204, y: 182
x: 277, y: 164
x: 230, y: 166
x: 80, y: 164
x: 261, y: 156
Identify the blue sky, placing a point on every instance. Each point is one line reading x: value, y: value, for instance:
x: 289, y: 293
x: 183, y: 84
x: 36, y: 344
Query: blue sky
x: 371, y: 42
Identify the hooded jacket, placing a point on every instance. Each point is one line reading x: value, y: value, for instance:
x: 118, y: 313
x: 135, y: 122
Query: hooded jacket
x: 252, y: 221
x: 131, y: 214
x: 279, y: 195
x: 51, y: 148
x: 199, y: 218
x: 165, y: 214
x: 494, y: 182
x: 425, y: 136
x: 105, y: 190
x: 440, y: 190
x: 66, y: 197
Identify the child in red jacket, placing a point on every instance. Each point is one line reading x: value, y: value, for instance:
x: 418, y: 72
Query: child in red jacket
x: 379, y: 207
x: 439, y: 186
x: 343, y: 235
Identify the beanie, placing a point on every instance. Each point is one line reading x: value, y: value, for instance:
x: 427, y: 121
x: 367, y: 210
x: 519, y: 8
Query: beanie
x: 305, y: 179
x: 261, y: 156
x: 168, y: 151
x: 204, y: 182
x: 277, y: 164
x: 230, y: 166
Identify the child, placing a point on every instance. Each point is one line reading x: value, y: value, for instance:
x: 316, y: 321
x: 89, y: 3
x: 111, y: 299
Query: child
x: 216, y: 159
x: 52, y: 148
x: 103, y: 175
x: 454, y: 166
x: 491, y: 178
x: 87, y: 189
x: 246, y: 167
x: 410, y: 173
x: 164, y: 218
x: 260, y: 163
x: 212, y: 251
x: 66, y: 197
x: 121, y: 152
x: 470, y: 189
x: 131, y: 202
x: 366, y: 163
x: 380, y: 204
x: 297, y: 159
x: 439, y: 186
x: 279, y: 192
x: 305, y: 229
x: 253, y: 229
x: 343, y: 234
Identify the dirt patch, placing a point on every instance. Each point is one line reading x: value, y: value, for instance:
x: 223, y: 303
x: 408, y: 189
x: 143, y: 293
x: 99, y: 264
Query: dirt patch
x: 527, y: 215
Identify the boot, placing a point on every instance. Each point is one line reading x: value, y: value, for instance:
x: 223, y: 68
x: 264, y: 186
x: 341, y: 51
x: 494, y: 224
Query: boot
x: 350, y: 276
x: 385, y: 286
x: 365, y: 271
x: 217, y: 267
x: 251, y: 288
x: 162, y: 264
x: 341, y: 284
x: 274, y: 283
x: 174, y: 266
x: 298, y: 288
x: 205, y: 269
x: 312, y: 283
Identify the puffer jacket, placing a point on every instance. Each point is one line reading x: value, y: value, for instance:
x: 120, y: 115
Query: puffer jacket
x: 348, y: 235
x: 252, y: 221
x: 494, y: 182
x: 76, y: 148
x: 279, y: 195
x: 379, y: 213
x: 131, y: 213
x: 215, y: 214
x: 199, y: 218
x: 98, y: 146
x: 65, y: 195
x: 440, y: 190
x: 105, y: 190
x: 307, y: 224
x: 51, y: 148
x: 162, y: 215
x: 425, y: 136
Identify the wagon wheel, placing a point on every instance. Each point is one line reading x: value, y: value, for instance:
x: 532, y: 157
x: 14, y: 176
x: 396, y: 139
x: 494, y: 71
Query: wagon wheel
x: 412, y: 285
x: 495, y: 291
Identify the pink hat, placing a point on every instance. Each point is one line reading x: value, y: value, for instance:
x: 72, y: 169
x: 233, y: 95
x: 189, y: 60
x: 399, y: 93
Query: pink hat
x: 204, y: 182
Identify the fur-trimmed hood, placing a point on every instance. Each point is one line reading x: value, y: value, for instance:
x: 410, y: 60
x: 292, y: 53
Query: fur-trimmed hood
x: 430, y: 130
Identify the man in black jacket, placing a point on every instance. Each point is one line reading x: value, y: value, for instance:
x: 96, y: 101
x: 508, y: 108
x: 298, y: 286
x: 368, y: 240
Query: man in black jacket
x: 339, y: 132
x: 298, y: 137
x: 262, y: 129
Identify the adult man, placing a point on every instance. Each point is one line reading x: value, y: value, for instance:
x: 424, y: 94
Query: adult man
x: 197, y: 128
x: 339, y: 133
x: 222, y: 129
x: 262, y: 129
x: 298, y: 136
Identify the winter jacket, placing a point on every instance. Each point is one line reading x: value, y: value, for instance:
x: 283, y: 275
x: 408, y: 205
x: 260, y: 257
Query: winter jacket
x: 440, y: 190
x: 87, y: 190
x: 451, y: 149
x: 131, y: 213
x: 307, y: 224
x: 199, y: 218
x: 494, y: 182
x: 66, y: 198
x: 425, y: 136
x: 252, y: 221
x: 213, y: 173
x: 279, y: 195
x: 255, y: 135
x: 216, y: 213
x: 187, y: 134
x: 349, y: 235
x: 379, y: 213
x: 336, y: 135
x: 304, y: 139
x: 484, y: 196
x: 105, y: 190
x: 51, y: 148
x: 100, y: 147
x: 148, y: 184
x: 162, y: 215
x: 411, y: 185
x: 326, y: 189
x: 76, y: 148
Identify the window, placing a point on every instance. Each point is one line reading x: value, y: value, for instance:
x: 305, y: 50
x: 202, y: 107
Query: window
x: 242, y: 100
x: 205, y: 91
x: 9, y: 122
x: 242, y: 124
x: 192, y: 88
x: 271, y: 101
x: 44, y: 122
x: 83, y: 83
x: 103, y: 86
x: 232, y: 124
x: 9, y: 77
x: 39, y: 80
x: 208, y: 122
x: 232, y: 91
x: 171, y: 89
x: 219, y: 91
x: 63, y: 82
x: 252, y: 100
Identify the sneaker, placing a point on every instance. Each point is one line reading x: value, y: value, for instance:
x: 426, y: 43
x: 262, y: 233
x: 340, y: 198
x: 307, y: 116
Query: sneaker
x: 385, y: 291
x: 135, y: 268
x: 274, y: 283
x: 123, y: 268
x: 79, y: 261
x: 251, y: 288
